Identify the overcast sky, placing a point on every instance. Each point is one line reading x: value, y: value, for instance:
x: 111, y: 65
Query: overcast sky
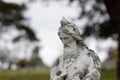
x: 45, y: 18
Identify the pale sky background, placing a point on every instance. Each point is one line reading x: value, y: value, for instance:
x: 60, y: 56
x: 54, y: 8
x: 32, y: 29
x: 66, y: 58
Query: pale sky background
x: 45, y: 18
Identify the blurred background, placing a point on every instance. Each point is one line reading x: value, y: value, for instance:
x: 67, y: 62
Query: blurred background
x: 29, y: 44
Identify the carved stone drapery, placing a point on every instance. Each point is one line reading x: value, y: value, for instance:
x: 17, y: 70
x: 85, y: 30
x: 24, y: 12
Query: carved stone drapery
x: 78, y: 62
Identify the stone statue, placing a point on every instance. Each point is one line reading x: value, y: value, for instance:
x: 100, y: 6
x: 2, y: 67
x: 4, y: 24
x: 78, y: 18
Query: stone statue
x: 78, y: 62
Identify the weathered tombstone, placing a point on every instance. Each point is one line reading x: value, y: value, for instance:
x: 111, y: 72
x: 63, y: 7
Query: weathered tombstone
x: 78, y: 62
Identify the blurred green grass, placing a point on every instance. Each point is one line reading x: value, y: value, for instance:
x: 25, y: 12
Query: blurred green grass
x: 25, y: 75
x: 107, y: 74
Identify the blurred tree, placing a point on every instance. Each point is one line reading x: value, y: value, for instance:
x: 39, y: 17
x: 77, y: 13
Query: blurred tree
x: 34, y: 62
x: 11, y: 20
x: 12, y: 15
x: 35, y: 57
x: 113, y: 7
x: 98, y: 21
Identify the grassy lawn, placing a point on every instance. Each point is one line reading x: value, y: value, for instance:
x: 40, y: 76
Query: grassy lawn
x: 25, y: 75
x: 109, y: 74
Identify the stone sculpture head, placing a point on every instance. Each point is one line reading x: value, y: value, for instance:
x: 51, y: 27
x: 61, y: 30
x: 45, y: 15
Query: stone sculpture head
x: 68, y: 32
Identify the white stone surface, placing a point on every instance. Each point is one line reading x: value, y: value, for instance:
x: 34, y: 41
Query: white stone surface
x: 78, y: 62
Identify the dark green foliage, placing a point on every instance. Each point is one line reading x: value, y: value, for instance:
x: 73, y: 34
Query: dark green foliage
x: 96, y: 27
x: 30, y: 33
x: 35, y: 57
x: 87, y: 32
x: 22, y: 64
x: 35, y: 60
x: 105, y: 30
x: 12, y: 17
x: 12, y: 14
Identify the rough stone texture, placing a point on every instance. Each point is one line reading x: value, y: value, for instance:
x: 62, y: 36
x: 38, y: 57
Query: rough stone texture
x: 78, y: 62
